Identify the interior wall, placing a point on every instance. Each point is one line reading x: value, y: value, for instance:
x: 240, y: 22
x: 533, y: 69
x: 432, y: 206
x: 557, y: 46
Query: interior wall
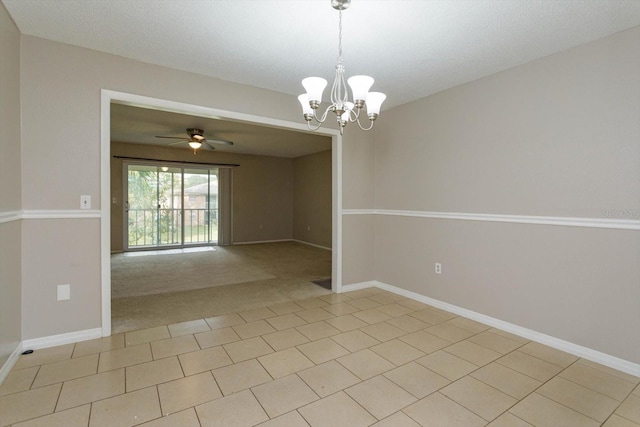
x: 556, y: 137
x: 358, y: 175
x: 60, y: 95
x: 10, y: 187
x: 262, y: 190
x: 312, y: 199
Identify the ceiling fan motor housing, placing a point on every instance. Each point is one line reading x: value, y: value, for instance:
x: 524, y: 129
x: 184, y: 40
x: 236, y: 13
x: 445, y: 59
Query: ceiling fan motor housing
x: 193, y: 132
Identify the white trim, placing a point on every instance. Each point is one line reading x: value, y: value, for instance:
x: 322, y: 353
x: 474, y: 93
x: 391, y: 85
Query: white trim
x: 336, y: 217
x: 61, y: 214
x: 108, y: 96
x: 49, y: 214
x: 619, y: 224
x: 358, y: 286
x: 359, y: 212
x: 10, y: 363
x: 105, y: 206
x: 10, y: 216
x: 311, y: 244
x: 62, y: 339
x: 257, y: 242
x: 557, y: 343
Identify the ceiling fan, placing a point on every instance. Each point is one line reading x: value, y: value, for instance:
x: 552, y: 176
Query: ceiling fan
x: 196, y: 140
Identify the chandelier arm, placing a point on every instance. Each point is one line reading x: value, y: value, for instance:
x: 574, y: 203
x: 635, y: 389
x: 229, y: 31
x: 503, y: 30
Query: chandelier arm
x: 354, y: 115
x: 365, y: 129
x: 320, y: 121
x: 314, y: 128
x: 324, y: 116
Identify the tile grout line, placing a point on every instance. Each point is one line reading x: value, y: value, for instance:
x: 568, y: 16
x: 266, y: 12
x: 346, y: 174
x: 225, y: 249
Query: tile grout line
x: 621, y: 402
x: 546, y: 397
x: 395, y: 366
x: 596, y: 391
x: 159, y: 403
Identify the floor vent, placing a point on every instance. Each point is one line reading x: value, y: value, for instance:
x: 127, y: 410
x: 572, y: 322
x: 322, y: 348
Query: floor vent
x: 325, y: 283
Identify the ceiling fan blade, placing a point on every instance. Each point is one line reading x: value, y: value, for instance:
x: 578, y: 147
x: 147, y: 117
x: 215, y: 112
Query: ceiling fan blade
x: 218, y: 141
x: 178, y: 142
x: 207, y: 146
x: 170, y: 137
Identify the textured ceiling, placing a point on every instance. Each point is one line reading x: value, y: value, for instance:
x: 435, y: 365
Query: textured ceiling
x: 412, y: 48
x: 141, y: 125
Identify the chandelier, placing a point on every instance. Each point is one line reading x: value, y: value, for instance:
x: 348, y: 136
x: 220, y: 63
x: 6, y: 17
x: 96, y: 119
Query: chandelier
x: 346, y: 111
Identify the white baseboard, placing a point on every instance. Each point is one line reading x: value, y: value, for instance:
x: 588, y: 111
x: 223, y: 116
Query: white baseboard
x: 557, y: 343
x: 358, y: 286
x: 68, y: 338
x: 312, y: 244
x: 262, y: 241
x: 10, y: 363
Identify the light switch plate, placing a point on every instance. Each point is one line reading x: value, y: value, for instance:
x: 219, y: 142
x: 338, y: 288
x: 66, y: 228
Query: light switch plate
x: 85, y: 202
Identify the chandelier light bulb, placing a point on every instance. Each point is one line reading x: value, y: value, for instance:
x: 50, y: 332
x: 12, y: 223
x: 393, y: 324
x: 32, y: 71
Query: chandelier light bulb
x: 314, y: 87
x: 360, y: 86
x: 195, y: 144
x: 374, y: 103
x: 347, y: 112
x: 307, y: 111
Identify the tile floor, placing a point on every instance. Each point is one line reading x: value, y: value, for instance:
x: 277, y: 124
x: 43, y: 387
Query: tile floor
x: 364, y: 358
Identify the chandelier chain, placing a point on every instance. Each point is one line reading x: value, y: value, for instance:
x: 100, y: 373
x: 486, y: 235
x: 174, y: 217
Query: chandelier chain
x: 340, y: 36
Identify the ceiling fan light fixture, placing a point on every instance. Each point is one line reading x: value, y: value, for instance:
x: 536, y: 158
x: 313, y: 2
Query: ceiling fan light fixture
x: 196, y: 140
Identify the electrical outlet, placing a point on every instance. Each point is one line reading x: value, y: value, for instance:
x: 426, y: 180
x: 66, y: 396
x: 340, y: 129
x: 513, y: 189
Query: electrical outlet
x: 438, y: 268
x: 64, y: 292
x: 308, y: 228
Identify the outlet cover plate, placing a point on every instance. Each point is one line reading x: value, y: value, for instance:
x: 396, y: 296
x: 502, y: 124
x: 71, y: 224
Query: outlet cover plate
x: 64, y: 292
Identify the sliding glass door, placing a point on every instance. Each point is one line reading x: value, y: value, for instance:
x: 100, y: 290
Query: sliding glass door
x: 200, y: 206
x: 168, y: 206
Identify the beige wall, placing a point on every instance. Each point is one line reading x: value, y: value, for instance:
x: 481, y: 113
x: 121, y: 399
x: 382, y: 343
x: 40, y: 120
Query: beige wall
x: 555, y: 137
x: 10, y: 292
x: 10, y: 187
x: 358, y: 164
x: 358, y: 193
x: 263, y: 196
x: 262, y: 190
x: 60, y: 251
x: 61, y: 122
x: 358, y: 240
x: 312, y: 199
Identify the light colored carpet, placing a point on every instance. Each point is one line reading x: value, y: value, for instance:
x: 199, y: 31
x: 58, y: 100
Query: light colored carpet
x: 291, y: 265
x: 133, y: 276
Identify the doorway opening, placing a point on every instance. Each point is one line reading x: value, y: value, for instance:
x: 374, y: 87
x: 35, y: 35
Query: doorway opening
x: 109, y: 97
